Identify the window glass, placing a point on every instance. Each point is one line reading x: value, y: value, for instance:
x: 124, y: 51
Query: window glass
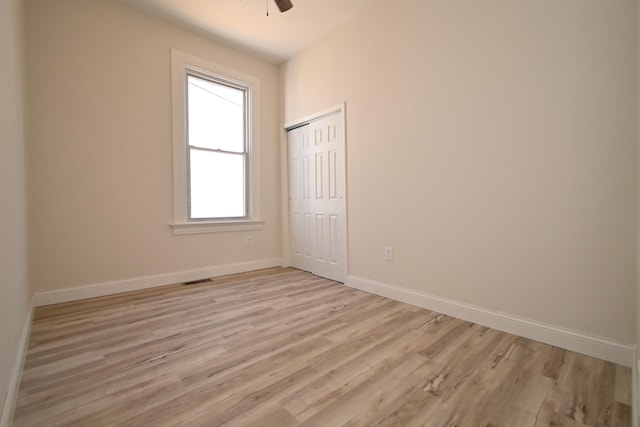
x: 217, y: 182
x: 217, y: 149
x: 216, y: 115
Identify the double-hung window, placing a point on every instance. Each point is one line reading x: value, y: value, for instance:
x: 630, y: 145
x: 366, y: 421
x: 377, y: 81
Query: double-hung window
x: 215, y: 147
x: 216, y: 140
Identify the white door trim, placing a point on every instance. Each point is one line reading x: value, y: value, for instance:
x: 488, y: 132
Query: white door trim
x: 339, y: 109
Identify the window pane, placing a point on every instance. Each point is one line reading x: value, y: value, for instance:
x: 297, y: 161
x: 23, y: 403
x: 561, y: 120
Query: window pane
x: 217, y: 185
x: 215, y: 115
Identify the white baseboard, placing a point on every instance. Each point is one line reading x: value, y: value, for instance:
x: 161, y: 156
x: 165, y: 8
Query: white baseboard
x: 579, y: 342
x: 634, y: 387
x: 6, y: 419
x: 138, y: 283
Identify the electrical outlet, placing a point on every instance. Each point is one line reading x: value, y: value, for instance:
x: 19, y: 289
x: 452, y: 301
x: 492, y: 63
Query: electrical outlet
x: 248, y: 241
x: 388, y: 253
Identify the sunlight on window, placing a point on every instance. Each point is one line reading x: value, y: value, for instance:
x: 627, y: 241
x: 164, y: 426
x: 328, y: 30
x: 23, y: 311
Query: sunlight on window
x: 217, y: 185
x: 217, y: 149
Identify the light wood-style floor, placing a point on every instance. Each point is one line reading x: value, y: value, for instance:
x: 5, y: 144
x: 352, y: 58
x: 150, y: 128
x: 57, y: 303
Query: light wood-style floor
x: 281, y: 347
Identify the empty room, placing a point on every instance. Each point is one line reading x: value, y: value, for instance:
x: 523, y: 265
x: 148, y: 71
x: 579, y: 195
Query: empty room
x: 319, y: 212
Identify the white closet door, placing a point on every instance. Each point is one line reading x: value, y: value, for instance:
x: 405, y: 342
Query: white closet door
x: 300, y: 216
x: 316, y: 197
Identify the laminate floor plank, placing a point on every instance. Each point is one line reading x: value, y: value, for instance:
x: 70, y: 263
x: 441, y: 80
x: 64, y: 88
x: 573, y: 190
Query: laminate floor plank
x: 281, y: 347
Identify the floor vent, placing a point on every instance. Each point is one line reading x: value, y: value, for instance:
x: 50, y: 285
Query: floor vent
x: 195, y: 282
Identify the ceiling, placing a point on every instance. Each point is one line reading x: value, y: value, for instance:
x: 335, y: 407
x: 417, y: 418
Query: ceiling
x: 244, y: 24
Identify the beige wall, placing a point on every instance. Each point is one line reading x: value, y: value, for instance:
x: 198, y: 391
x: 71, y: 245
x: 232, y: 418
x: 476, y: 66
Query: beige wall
x: 492, y: 144
x: 100, y: 165
x: 635, y: 385
x: 14, y: 293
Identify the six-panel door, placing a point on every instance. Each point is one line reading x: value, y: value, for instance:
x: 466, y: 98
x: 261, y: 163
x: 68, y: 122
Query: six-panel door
x: 316, y: 197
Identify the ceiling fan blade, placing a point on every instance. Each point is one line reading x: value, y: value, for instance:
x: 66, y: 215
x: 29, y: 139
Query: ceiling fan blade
x: 284, y: 5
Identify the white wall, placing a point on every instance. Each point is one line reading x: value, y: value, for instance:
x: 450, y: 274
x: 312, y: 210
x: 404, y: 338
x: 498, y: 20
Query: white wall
x: 493, y: 145
x: 100, y: 165
x: 14, y: 292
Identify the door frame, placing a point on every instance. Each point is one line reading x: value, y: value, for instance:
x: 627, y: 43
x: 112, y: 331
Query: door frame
x: 339, y: 109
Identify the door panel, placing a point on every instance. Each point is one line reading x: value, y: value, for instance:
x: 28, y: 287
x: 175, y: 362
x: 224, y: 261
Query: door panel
x: 299, y: 195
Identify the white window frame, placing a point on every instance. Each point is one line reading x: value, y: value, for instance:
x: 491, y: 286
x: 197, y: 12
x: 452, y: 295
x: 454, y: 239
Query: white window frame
x: 181, y: 64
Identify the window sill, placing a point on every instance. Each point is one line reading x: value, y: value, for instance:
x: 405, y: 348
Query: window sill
x: 199, y: 227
